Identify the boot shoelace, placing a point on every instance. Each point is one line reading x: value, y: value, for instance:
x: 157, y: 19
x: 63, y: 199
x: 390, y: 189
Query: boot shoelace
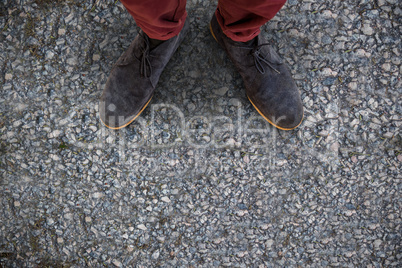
x: 259, y: 59
x: 146, y: 67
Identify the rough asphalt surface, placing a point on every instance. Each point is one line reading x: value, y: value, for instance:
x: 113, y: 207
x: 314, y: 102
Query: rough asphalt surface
x: 200, y: 179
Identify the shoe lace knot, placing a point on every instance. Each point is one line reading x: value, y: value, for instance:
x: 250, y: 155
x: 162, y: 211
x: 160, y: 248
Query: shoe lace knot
x: 260, y: 59
x: 146, y: 66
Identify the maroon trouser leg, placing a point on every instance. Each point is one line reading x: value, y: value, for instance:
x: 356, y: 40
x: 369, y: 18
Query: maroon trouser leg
x: 240, y: 19
x: 159, y: 19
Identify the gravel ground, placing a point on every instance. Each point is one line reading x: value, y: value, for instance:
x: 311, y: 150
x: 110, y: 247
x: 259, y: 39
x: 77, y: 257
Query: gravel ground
x: 200, y: 179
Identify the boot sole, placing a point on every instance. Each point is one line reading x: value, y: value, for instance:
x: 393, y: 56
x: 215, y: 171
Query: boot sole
x: 269, y: 121
x: 135, y: 117
x: 255, y: 107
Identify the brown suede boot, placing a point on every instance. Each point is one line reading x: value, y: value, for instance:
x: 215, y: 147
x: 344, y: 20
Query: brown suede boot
x: 133, y: 79
x: 269, y: 84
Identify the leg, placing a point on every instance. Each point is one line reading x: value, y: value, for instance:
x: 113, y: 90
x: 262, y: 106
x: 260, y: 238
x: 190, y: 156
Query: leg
x: 241, y: 20
x: 268, y: 82
x: 158, y: 19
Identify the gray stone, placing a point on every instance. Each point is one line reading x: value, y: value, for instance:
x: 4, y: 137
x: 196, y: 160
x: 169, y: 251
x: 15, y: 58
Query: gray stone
x: 200, y: 179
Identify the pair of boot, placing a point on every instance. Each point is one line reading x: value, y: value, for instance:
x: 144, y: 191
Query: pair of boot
x: 268, y: 82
